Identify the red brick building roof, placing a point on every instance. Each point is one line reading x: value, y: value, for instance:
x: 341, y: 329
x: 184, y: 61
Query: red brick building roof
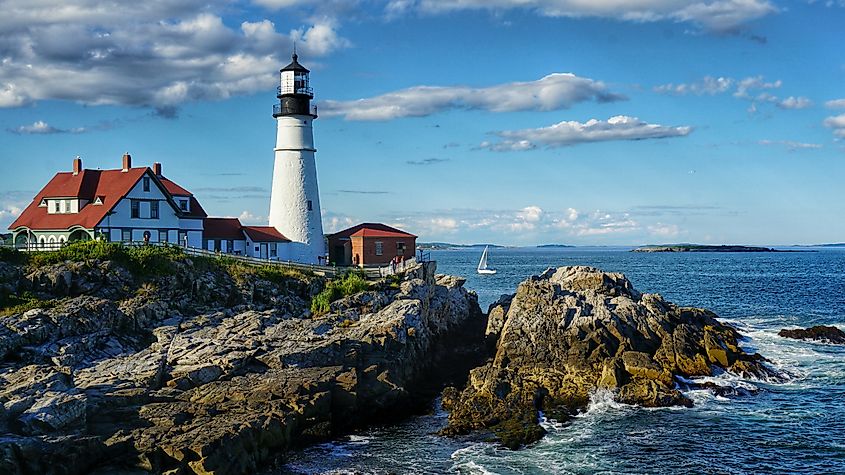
x: 109, y: 185
x: 264, y: 234
x: 371, y: 230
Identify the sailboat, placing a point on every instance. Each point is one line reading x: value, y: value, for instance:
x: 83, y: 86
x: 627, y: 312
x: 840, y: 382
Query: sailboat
x: 482, y: 264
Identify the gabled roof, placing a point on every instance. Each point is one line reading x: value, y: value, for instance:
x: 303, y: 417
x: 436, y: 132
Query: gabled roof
x: 371, y: 230
x: 194, y: 209
x: 222, y: 228
x: 110, y: 185
x: 264, y: 234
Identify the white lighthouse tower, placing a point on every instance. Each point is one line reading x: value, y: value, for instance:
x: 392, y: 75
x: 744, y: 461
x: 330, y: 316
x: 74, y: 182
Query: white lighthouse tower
x: 295, y: 198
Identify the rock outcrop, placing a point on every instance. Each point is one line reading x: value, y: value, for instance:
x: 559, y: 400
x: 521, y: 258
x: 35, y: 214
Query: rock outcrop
x: 201, y: 372
x: 574, y: 330
x: 822, y: 333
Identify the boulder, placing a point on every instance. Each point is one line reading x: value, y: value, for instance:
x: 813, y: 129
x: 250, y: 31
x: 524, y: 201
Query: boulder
x: 822, y: 333
x: 574, y: 330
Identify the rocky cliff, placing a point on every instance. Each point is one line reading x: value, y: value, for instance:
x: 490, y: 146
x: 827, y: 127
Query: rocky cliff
x: 201, y: 371
x: 571, y: 331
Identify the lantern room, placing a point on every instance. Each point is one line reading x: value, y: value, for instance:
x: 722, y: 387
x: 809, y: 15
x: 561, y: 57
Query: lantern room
x: 294, y: 80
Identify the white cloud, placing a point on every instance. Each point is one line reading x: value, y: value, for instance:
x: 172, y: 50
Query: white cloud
x: 791, y: 145
x: 795, y: 103
x: 709, y: 85
x: 12, y: 204
x: 248, y: 218
x: 553, y: 92
x: 157, y: 53
x: 41, y: 127
x: 720, y: 15
x: 835, y: 104
x: 572, y: 132
x: 754, y: 83
x: 837, y: 123
x: 664, y: 230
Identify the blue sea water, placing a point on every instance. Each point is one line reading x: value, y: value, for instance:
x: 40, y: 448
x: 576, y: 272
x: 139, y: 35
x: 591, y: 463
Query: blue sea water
x: 797, y: 426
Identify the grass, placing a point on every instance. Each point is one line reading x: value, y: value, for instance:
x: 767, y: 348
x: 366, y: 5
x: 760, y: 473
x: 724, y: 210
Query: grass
x: 241, y: 272
x: 139, y: 260
x: 12, y: 304
x: 349, y: 284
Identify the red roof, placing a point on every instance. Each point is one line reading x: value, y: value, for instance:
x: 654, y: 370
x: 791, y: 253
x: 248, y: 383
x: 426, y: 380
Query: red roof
x: 110, y: 185
x: 371, y: 230
x: 173, y: 188
x: 222, y: 228
x: 264, y: 234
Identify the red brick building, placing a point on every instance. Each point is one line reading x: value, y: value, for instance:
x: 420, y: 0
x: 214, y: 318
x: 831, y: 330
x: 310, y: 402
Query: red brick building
x: 370, y: 244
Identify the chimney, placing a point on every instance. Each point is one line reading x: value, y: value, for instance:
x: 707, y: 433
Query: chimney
x: 157, y: 169
x: 127, y: 162
x: 77, y: 165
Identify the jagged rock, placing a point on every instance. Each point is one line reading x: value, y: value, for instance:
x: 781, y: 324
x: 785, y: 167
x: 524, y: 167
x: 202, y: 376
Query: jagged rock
x: 202, y: 372
x: 496, y: 316
x: 571, y: 331
x: 52, y: 412
x: 826, y: 334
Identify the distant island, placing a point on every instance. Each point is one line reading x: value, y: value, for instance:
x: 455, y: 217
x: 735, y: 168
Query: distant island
x: 554, y: 245
x: 428, y: 246
x: 702, y: 248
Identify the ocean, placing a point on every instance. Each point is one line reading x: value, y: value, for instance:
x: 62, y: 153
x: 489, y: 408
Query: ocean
x: 797, y: 426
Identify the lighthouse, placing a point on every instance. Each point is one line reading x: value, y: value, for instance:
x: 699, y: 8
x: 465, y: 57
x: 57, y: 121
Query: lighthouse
x: 295, y: 198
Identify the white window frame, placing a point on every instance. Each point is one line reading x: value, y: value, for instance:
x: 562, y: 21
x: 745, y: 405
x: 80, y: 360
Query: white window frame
x: 379, y: 248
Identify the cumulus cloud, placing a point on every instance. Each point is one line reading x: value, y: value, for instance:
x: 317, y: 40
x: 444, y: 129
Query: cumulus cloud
x: 572, y: 132
x: 719, y: 15
x: 12, y: 204
x: 248, y: 218
x: 40, y: 127
x: 553, y: 92
x: 794, y: 103
x: 835, y: 104
x: 837, y: 124
x: 791, y: 145
x: 157, y: 53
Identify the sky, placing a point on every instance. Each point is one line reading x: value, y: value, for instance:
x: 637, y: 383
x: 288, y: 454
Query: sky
x: 519, y: 122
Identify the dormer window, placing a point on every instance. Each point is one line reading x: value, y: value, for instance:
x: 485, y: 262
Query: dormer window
x: 183, y: 205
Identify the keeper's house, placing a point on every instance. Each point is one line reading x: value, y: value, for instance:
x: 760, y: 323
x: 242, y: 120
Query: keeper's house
x: 370, y: 244
x: 125, y: 204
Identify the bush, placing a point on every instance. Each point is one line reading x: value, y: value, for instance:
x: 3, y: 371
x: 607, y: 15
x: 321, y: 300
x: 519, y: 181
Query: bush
x: 349, y: 284
x: 140, y: 260
x: 12, y: 256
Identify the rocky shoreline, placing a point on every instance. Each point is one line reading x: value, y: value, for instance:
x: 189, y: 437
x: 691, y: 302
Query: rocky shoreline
x: 202, y: 371
x: 574, y: 330
x: 208, y: 369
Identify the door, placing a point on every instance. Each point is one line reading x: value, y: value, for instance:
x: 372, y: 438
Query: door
x: 263, y: 254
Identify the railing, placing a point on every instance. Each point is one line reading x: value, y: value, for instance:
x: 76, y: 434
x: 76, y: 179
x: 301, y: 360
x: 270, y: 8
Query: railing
x: 300, y: 90
x: 326, y: 271
x: 279, y: 110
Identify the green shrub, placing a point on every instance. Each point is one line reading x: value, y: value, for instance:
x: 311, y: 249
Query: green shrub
x: 12, y: 256
x: 349, y: 284
x: 140, y: 260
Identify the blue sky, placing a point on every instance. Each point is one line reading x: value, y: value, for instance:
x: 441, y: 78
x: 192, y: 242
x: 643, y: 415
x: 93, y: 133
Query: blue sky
x: 516, y: 122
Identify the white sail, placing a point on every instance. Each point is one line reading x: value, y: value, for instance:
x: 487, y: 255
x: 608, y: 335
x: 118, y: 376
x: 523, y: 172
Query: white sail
x: 482, y: 264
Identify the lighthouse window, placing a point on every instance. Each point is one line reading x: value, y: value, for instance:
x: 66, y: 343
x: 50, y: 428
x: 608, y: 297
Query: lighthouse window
x: 310, y: 206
